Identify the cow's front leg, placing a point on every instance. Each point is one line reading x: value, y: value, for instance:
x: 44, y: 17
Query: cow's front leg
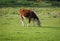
x: 29, y: 22
x: 33, y: 22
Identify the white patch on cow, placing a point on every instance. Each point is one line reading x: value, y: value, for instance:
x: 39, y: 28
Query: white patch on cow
x: 23, y: 17
x: 35, y: 12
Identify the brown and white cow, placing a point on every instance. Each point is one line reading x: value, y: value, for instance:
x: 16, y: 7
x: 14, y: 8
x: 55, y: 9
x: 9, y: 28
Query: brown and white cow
x: 29, y: 14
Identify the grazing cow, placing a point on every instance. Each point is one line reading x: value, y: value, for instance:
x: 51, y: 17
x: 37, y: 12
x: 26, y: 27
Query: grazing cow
x: 30, y: 15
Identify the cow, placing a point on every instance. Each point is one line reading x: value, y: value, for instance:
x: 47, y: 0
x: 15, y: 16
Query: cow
x: 30, y: 15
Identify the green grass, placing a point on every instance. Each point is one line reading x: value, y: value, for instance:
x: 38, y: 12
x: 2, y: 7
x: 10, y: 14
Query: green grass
x: 11, y: 28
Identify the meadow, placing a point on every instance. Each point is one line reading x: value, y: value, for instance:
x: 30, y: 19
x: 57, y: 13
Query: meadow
x: 11, y: 28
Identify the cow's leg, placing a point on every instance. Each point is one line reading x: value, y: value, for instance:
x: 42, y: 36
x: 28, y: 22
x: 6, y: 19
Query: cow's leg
x: 22, y: 21
x: 29, y: 21
x: 33, y: 22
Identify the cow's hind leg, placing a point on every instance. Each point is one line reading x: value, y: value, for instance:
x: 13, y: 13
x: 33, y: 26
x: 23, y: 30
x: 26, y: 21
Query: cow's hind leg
x: 22, y: 21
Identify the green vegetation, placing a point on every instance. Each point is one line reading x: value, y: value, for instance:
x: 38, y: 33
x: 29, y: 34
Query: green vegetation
x: 11, y: 28
x: 26, y: 3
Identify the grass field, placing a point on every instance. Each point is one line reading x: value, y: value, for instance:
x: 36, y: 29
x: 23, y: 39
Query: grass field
x: 11, y: 28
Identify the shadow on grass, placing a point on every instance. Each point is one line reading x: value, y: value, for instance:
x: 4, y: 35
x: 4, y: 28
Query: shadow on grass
x: 50, y: 27
x: 41, y: 27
